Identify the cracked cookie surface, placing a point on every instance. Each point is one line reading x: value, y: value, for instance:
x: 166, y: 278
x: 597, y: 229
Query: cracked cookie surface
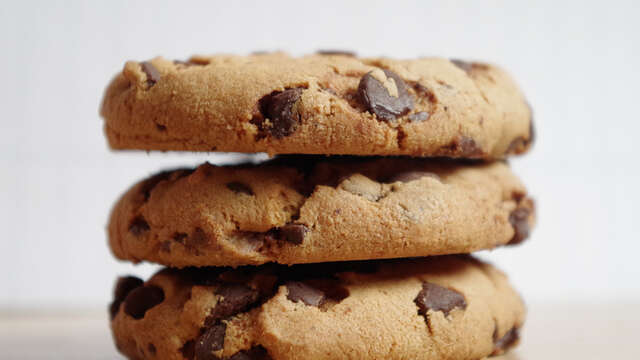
x: 318, y: 104
x: 448, y: 307
x: 305, y: 209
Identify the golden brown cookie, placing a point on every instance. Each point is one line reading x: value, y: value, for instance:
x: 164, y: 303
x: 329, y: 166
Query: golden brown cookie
x: 304, y: 209
x: 450, y: 307
x: 318, y: 104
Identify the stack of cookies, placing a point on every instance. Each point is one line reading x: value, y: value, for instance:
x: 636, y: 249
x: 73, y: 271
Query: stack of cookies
x: 352, y: 241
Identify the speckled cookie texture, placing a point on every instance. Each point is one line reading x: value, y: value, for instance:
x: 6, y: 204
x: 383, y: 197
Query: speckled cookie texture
x: 304, y: 209
x: 449, y: 307
x: 318, y: 104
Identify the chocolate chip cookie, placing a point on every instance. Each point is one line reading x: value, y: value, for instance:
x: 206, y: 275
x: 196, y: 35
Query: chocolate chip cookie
x: 304, y: 209
x: 449, y: 307
x: 327, y: 103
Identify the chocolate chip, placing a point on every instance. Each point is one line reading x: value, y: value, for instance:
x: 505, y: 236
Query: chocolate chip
x: 424, y: 91
x: 518, y: 144
x: 521, y: 143
x: 161, y: 127
x: 505, y: 342
x: 180, y: 237
x: 242, y: 355
x: 330, y: 91
x: 152, y: 348
x: 186, y: 63
x: 197, y: 239
x: 532, y: 128
x: 255, y: 353
x: 153, y: 75
x: 299, y: 291
x: 469, y: 147
x: 236, y: 298
x: 383, y: 100
x: 142, y: 299
x: 138, y: 226
x: 152, y: 182
x: 419, y: 116
x: 211, y: 340
x: 330, y: 287
x: 411, y: 176
x: 464, y: 65
x: 278, y: 108
x: 294, y: 233
x: 519, y: 220
x: 438, y: 298
x: 240, y: 188
x: 123, y: 287
x: 337, y: 52
x: 188, y: 350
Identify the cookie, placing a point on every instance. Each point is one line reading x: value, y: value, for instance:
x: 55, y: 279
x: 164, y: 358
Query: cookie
x: 449, y: 307
x: 304, y: 209
x: 329, y: 103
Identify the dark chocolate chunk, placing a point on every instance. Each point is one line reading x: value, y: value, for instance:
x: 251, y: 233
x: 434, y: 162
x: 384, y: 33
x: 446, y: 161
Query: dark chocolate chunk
x: 152, y: 348
x: 521, y: 143
x: 153, y: 75
x: 532, y: 128
x: 419, y: 116
x: 197, y: 239
x: 211, y: 340
x: 150, y: 184
x: 505, y: 342
x: 123, y: 287
x: 187, y: 63
x: 236, y: 298
x: 378, y: 100
x: 411, y: 176
x: 294, y: 233
x: 139, y: 226
x: 519, y: 220
x: 188, y: 350
x: 516, y: 145
x: 255, y: 353
x: 464, y: 65
x: 469, y: 147
x: 278, y: 108
x: 337, y: 52
x: 424, y: 91
x: 141, y: 299
x: 299, y: 291
x: 240, y: 188
x: 438, y: 298
x: 330, y: 287
x: 180, y: 237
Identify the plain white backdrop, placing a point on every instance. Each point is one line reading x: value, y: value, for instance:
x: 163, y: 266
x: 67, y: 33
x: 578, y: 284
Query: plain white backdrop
x: 578, y: 62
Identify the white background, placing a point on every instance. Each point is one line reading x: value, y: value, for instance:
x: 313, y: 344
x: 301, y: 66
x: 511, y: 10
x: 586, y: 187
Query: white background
x: 579, y: 64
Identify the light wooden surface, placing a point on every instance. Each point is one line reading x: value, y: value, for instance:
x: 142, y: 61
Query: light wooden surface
x: 607, y: 331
